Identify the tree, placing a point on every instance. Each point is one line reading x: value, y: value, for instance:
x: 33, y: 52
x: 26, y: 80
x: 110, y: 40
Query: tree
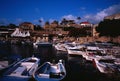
x: 12, y: 25
x: 56, y: 22
x: 78, y: 18
x: 79, y: 32
x: 40, y: 21
x: 37, y: 27
x: 64, y: 21
x: 109, y: 28
x: 47, y: 23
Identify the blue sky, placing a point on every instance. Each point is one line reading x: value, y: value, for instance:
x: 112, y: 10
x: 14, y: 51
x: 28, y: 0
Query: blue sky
x: 17, y: 11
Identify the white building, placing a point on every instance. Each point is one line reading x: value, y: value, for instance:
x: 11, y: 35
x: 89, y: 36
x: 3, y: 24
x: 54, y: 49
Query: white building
x: 86, y: 24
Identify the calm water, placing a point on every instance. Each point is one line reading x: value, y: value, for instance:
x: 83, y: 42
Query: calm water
x: 77, y: 68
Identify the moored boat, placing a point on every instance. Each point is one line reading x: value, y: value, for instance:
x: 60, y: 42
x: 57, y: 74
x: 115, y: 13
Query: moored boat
x: 50, y: 72
x: 60, y: 47
x: 37, y: 44
x: 3, y: 64
x: 107, y: 65
x: 22, y: 70
x: 75, y: 51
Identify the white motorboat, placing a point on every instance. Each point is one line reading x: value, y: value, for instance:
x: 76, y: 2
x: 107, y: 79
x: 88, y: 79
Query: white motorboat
x: 3, y: 64
x: 22, y: 70
x: 106, y: 65
x: 60, y: 47
x: 95, y: 54
x: 39, y: 43
x: 50, y: 72
x: 89, y: 54
x: 73, y: 46
x: 75, y: 51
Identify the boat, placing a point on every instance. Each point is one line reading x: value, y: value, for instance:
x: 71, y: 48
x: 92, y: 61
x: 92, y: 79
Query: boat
x: 41, y: 43
x: 60, y: 47
x: 22, y: 70
x: 107, y: 65
x: 89, y: 54
x: 50, y: 72
x: 75, y: 51
x: 3, y: 64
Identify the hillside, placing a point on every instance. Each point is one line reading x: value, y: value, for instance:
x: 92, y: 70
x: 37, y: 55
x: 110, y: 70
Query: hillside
x: 114, y: 16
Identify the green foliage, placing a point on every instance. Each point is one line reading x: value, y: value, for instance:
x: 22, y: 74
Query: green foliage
x: 78, y: 32
x: 109, y: 28
x: 68, y: 28
x: 9, y: 26
x: 12, y: 25
x: 37, y: 27
x: 47, y: 23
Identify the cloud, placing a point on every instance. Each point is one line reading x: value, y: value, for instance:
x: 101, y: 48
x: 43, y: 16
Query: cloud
x: 51, y: 20
x: 71, y: 17
x: 96, y: 18
x: 39, y: 21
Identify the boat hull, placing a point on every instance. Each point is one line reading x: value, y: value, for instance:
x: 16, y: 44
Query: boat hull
x: 50, y: 72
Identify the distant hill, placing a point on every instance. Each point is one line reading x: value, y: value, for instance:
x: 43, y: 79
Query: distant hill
x: 114, y: 16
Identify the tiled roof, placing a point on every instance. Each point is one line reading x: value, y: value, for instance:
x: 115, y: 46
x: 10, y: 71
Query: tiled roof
x: 85, y: 22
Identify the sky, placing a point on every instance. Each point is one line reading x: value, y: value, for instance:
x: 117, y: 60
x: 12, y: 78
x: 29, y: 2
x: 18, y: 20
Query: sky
x: 18, y: 11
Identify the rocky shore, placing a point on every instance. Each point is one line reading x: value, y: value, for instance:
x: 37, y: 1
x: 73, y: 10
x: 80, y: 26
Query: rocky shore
x: 65, y: 39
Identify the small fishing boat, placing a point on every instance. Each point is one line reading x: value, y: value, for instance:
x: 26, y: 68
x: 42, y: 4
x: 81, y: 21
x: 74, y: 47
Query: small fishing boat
x: 107, y: 65
x: 50, y: 72
x: 3, y: 64
x: 22, y: 70
x: 60, y: 47
x: 38, y: 43
x: 75, y: 51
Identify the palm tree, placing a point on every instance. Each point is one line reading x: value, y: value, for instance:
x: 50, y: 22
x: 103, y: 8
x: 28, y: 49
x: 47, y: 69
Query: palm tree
x: 47, y: 24
x: 78, y: 18
x: 64, y: 21
x: 40, y: 21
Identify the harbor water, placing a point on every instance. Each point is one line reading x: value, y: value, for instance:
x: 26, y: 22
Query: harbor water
x: 77, y: 68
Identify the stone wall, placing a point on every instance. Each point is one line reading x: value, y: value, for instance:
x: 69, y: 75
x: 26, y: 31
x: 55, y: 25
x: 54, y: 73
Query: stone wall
x: 92, y: 39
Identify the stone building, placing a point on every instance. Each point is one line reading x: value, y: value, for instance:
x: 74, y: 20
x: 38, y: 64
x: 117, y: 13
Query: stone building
x: 86, y: 24
x: 94, y: 32
x: 26, y: 26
